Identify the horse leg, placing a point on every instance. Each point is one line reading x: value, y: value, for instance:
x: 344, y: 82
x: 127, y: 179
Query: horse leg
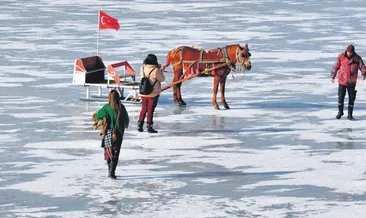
x: 176, y: 88
x: 214, y: 92
x: 222, y: 91
x: 175, y: 99
x: 181, y: 102
x: 175, y: 95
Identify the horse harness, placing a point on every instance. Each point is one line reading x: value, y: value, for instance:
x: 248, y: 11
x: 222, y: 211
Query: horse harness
x: 206, y: 58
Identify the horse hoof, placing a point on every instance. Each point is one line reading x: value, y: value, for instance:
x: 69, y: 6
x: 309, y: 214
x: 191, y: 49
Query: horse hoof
x: 181, y: 102
x: 226, y: 106
x: 216, y: 107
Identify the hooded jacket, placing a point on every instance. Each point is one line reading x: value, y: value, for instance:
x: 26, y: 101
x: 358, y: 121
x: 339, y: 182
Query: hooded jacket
x: 347, y: 68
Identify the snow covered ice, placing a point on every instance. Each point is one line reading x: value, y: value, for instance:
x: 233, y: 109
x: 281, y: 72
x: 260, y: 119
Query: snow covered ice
x: 278, y: 152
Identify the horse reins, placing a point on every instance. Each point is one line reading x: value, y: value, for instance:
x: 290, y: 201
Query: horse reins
x: 192, y: 76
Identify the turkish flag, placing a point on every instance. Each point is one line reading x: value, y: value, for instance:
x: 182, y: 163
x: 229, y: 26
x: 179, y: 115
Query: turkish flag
x: 114, y: 74
x: 107, y: 22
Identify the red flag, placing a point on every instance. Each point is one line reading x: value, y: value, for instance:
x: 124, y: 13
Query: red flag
x: 107, y: 22
x: 114, y: 74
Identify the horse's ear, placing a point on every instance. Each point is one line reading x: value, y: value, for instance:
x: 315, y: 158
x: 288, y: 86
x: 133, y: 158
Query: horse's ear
x: 246, y: 46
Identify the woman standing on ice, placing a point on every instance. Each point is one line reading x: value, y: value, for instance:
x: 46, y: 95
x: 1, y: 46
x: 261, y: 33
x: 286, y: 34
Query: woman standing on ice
x: 347, y: 66
x: 150, y: 69
x: 118, y: 119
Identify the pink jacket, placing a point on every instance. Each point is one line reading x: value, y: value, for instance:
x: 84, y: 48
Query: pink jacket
x: 156, y: 75
x: 347, y: 68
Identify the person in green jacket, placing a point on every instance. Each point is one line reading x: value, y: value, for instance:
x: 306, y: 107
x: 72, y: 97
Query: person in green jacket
x: 118, y: 120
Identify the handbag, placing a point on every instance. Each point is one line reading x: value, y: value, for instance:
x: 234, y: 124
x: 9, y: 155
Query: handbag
x: 114, y: 134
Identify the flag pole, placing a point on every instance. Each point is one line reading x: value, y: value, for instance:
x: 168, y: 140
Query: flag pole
x: 98, y: 33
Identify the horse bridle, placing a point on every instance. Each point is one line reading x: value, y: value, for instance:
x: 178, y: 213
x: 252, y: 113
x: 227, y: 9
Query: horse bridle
x: 239, y: 64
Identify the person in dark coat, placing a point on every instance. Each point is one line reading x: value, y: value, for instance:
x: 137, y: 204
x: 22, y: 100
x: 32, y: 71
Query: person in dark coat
x: 118, y: 120
x: 347, y: 65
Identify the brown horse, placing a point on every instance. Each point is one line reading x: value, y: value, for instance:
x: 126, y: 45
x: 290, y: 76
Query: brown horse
x: 188, y: 61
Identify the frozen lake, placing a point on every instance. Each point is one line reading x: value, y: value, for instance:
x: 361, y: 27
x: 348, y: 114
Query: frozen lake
x: 278, y: 152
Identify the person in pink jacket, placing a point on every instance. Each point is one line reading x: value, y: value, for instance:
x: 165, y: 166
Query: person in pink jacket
x: 150, y: 69
x: 347, y: 65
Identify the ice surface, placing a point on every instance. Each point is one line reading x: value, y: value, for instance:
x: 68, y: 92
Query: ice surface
x: 278, y: 152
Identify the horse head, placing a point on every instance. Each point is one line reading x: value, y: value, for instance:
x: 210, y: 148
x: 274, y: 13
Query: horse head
x: 244, y: 57
x: 239, y: 57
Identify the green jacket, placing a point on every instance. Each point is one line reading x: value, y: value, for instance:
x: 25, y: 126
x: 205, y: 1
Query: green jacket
x: 107, y: 111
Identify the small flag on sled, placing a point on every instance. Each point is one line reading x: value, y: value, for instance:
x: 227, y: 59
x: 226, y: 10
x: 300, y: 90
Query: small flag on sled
x: 114, y: 74
x: 107, y: 22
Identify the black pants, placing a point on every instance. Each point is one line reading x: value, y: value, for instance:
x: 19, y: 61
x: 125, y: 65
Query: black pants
x: 112, y: 163
x: 351, y: 94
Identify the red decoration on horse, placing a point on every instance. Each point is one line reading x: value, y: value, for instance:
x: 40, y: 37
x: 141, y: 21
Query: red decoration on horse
x: 189, y: 62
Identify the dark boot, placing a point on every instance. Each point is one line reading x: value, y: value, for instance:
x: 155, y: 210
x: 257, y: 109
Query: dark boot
x: 352, y: 98
x: 340, y: 111
x: 150, y: 128
x: 112, y: 168
x: 140, y: 126
x: 350, y: 112
x: 110, y: 175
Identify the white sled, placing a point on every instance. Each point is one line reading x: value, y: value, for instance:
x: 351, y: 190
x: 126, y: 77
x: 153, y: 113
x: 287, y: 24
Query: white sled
x: 90, y: 72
